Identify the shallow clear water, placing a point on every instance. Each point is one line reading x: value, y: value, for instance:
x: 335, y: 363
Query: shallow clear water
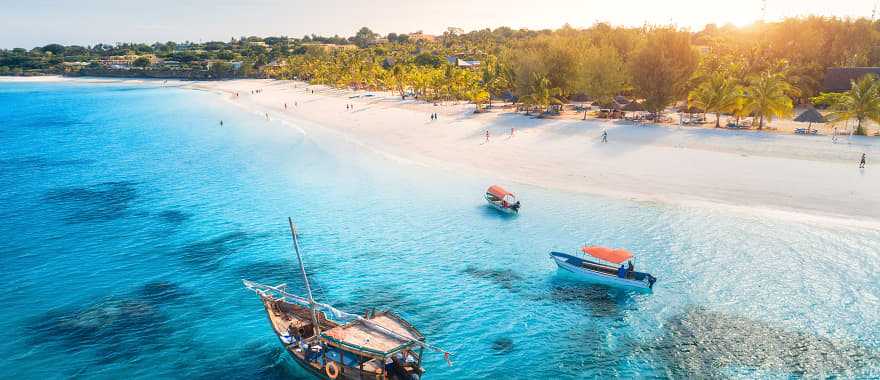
x: 128, y: 217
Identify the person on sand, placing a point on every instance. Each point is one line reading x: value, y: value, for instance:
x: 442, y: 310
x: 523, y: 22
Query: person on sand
x: 487, y: 135
x: 285, y: 105
x: 604, y: 136
x: 511, y: 132
x: 862, y: 162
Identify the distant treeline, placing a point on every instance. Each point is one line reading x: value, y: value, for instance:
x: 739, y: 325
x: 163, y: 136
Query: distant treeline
x: 658, y: 65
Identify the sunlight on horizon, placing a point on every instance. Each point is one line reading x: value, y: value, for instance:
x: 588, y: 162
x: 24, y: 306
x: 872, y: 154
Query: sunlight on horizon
x: 163, y: 20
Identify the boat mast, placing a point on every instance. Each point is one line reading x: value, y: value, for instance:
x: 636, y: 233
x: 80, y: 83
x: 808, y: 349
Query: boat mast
x: 302, y: 268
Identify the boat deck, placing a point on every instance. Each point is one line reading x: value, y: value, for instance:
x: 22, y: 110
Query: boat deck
x: 362, y: 335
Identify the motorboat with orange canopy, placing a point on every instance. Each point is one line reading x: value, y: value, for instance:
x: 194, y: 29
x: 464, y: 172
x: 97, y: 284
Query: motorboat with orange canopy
x: 502, y: 200
x: 332, y: 344
x: 596, y: 267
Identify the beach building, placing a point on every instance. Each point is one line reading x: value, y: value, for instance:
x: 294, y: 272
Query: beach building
x: 123, y: 61
x: 329, y: 47
x: 838, y: 79
x: 455, y: 61
x: 419, y: 36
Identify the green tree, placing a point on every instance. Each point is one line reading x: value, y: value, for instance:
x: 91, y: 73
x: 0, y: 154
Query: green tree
x: 601, y: 74
x: 542, y: 93
x: 399, y: 75
x: 719, y: 94
x: 768, y: 95
x: 861, y: 102
x: 661, y: 66
x: 364, y: 37
x: 141, y: 62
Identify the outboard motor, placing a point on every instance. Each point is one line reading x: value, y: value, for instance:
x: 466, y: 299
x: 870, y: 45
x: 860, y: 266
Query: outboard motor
x: 651, y: 281
x: 515, y: 206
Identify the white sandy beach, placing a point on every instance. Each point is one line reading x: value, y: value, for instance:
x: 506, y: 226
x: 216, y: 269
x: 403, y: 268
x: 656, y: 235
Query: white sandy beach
x: 786, y: 175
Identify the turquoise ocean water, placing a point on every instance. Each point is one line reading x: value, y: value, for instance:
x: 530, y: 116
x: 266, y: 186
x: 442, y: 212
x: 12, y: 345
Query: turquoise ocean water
x: 128, y: 217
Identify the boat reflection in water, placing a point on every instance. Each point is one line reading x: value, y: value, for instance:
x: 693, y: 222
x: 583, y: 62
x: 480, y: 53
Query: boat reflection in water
x: 333, y: 344
x: 605, y: 274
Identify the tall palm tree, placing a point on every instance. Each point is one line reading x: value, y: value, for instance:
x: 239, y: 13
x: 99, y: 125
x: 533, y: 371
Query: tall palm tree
x: 542, y: 93
x: 719, y: 94
x: 399, y: 73
x: 769, y: 95
x: 861, y: 102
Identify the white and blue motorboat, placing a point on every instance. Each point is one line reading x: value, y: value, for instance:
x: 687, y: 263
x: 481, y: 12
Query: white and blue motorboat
x: 600, y: 272
x: 502, y: 200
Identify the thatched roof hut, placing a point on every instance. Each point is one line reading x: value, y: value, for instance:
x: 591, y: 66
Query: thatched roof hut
x: 634, y: 106
x: 810, y: 116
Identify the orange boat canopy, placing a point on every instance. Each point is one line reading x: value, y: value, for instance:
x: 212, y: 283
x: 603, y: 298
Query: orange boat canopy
x: 616, y: 256
x: 498, y: 191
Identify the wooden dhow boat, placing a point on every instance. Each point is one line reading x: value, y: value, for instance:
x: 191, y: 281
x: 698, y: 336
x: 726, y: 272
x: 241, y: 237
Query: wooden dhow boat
x: 605, y: 274
x: 502, y: 200
x: 332, y: 344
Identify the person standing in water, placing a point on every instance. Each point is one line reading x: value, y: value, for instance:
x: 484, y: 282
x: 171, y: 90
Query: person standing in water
x: 221, y: 123
x: 605, y: 136
x: 862, y: 162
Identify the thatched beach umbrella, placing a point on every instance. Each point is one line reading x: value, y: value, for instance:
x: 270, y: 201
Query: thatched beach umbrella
x: 634, y: 106
x: 810, y: 116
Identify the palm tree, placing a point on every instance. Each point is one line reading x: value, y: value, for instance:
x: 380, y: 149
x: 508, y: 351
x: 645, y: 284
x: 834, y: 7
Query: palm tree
x: 541, y: 93
x: 861, y: 102
x: 719, y: 94
x: 768, y: 95
x: 399, y: 73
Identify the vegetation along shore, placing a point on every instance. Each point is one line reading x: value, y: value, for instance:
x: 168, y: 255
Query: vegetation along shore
x: 753, y: 74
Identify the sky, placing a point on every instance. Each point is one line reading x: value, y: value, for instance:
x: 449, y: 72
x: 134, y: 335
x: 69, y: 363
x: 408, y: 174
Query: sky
x: 29, y: 23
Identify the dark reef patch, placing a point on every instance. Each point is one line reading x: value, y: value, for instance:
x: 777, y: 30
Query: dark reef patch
x: 102, y: 202
x: 208, y: 254
x: 116, y: 328
x: 600, y: 300
x: 505, y: 278
x: 502, y: 346
x: 174, y: 217
x: 162, y: 292
x: 704, y: 343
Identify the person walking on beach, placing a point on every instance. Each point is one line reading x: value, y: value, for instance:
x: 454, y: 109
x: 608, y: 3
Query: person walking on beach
x: 862, y: 162
x: 604, y: 136
x: 511, y: 132
x: 487, y: 135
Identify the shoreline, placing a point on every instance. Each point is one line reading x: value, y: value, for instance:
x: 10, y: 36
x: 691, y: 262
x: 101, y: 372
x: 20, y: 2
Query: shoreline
x: 775, y: 174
